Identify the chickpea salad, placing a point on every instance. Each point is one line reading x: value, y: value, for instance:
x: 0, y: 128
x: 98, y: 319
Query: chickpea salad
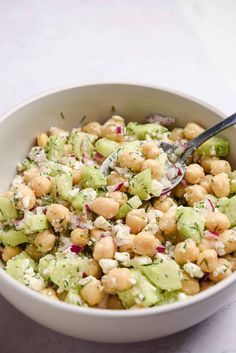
x: 116, y: 241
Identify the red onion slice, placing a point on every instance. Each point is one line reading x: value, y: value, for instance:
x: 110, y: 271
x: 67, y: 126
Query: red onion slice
x: 161, y: 249
x: 76, y: 248
x: 119, y: 186
x: 119, y: 130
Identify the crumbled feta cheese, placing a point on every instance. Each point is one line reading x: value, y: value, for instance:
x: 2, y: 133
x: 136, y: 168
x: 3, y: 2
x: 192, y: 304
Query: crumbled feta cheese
x: 193, y: 270
x: 74, y: 192
x: 220, y: 248
x: 152, y: 227
x: 141, y: 260
x: 182, y: 297
x: 108, y: 264
x: 153, y: 214
x: 101, y: 223
x: 84, y: 281
x: 121, y: 233
x: 78, y: 165
x: 17, y: 181
x: 37, y: 283
x: 122, y: 256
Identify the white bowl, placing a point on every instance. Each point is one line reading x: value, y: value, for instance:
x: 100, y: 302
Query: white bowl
x: 17, y: 133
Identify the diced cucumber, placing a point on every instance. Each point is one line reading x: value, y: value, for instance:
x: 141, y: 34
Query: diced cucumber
x: 55, y: 148
x: 35, y: 223
x: 82, y: 144
x: 123, y: 210
x: 154, y: 130
x: 92, y: 177
x: 62, y: 186
x: 82, y: 198
x: 13, y: 237
x: 18, y: 266
x: 142, y: 292
x: 164, y: 275
x: 73, y: 297
x: 106, y: 147
x: 215, y: 146
x: 133, y: 203
x: 190, y: 223
x: 228, y: 207
x: 162, y: 158
x: 7, y: 209
x: 140, y: 184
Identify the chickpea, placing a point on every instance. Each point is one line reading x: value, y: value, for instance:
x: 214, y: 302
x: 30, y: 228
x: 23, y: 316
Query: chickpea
x: 177, y: 134
x: 58, y: 216
x: 45, y: 241
x: 68, y: 149
x: 105, y: 207
x: 41, y: 185
x: 194, y: 173
x: 94, y: 269
x: 92, y: 292
x: 42, y: 140
x: 190, y: 286
x: 104, y: 248
x: 186, y: 251
x: 179, y: 190
x: 217, y: 222
x: 50, y: 292
x: 33, y: 252
x: 163, y: 204
x: 114, y: 303
x: 220, y: 166
x: 79, y: 236
x: 110, y: 132
x: 93, y: 128
x: 144, y: 243
x: 221, y: 185
x: 167, y: 222
x: 205, y: 162
x: 207, y: 260
x: 155, y: 167
x: 115, y: 120
x: 228, y: 238
x: 206, y: 244
x: 76, y: 176
x: 128, y: 247
x: 119, y: 196
x: 30, y: 174
x: 118, y: 279
x: 206, y: 183
x: 205, y: 285
x: 223, y: 270
x: 115, y: 178
x: 27, y: 198
x: 192, y: 130
x: 9, y: 252
x: 136, y: 220
x: 137, y: 306
x: 131, y: 160
x: 55, y: 131
x: 194, y: 193
x: 96, y: 233
x: 150, y: 150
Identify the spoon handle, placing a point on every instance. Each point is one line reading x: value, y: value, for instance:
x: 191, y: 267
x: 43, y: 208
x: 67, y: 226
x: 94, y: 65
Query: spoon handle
x: 212, y: 131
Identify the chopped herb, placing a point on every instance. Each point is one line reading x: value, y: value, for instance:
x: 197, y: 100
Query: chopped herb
x: 62, y: 116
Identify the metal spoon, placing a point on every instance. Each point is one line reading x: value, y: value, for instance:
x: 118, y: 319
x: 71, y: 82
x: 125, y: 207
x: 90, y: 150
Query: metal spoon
x: 189, y: 148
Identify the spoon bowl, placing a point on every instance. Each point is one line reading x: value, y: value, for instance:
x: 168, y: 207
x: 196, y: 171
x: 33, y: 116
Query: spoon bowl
x: 175, y: 160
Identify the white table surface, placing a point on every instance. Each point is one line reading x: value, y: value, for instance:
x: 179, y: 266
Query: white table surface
x: 186, y: 45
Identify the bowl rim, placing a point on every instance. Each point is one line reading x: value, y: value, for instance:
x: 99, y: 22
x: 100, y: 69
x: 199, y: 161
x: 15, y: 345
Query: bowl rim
x: 109, y: 313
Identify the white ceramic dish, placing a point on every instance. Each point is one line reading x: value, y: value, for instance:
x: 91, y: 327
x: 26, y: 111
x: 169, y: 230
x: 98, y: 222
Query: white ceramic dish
x: 17, y: 130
